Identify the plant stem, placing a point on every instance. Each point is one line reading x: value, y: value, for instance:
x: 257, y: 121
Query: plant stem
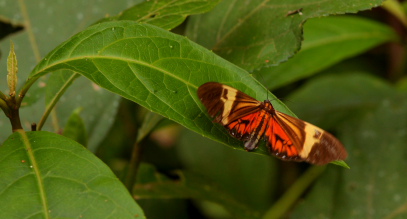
x: 150, y: 121
x: 291, y: 196
x: 3, y: 96
x: 133, y: 167
x: 4, y: 107
x: 15, y: 119
x: 24, y: 89
x: 51, y: 104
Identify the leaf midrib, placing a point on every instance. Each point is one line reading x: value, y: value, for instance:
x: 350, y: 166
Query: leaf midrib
x: 39, y: 72
x: 37, y: 172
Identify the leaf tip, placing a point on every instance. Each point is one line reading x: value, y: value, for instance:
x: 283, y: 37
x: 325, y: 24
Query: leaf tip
x: 341, y: 163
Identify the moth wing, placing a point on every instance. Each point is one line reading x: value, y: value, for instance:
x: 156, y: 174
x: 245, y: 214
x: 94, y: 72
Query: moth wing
x: 226, y: 103
x: 295, y: 139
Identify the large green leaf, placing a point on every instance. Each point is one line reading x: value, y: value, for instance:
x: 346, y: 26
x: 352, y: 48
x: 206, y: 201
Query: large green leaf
x: 327, y: 41
x: 258, y: 33
x: 45, y: 175
x: 155, y: 68
x: 166, y: 14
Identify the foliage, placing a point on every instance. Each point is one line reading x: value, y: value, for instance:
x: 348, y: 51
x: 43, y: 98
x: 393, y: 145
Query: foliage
x: 344, y: 73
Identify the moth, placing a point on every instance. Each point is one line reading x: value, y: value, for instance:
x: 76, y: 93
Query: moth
x: 250, y: 120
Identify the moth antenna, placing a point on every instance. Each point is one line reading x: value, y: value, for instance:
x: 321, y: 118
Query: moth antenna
x: 267, y: 90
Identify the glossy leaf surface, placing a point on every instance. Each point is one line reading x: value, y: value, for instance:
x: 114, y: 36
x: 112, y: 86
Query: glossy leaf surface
x: 40, y: 179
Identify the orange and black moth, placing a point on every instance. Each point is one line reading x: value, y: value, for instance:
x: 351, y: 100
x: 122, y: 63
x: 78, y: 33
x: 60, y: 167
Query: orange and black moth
x: 250, y: 120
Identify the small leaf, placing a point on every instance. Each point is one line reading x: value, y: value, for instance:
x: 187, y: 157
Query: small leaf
x: 75, y: 128
x: 341, y: 163
x: 45, y: 175
x: 12, y: 68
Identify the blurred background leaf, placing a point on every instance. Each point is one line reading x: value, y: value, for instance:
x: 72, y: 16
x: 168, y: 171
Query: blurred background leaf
x: 327, y: 41
x: 188, y: 185
x: 75, y: 128
x: 375, y: 135
x: 255, y: 34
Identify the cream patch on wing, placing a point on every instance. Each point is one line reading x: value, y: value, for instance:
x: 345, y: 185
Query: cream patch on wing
x: 313, y: 136
x: 228, y: 97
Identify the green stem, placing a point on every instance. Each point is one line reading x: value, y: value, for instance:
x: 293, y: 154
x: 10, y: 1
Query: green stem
x: 135, y: 161
x: 15, y: 119
x: 51, y: 104
x: 291, y: 196
x: 3, y: 96
x: 5, y: 107
x: 24, y: 89
x: 150, y: 121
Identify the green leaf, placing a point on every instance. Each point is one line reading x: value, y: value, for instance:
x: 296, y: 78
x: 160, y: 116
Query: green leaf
x: 327, y: 41
x: 154, y: 68
x: 166, y: 14
x: 42, y: 172
x: 375, y: 186
x: 254, y: 34
x: 75, y: 128
x: 341, y: 163
x: 152, y: 185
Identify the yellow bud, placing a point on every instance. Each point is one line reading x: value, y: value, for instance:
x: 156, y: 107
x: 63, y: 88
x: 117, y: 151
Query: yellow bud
x: 12, y: 70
